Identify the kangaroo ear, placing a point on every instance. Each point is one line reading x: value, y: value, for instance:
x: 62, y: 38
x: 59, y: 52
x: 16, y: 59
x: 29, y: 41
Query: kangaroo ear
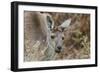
x: 50, y: 22
x: 66, y: 23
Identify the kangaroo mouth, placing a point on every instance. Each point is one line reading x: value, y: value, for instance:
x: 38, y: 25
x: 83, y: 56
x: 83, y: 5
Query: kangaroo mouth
x: 57, y: 51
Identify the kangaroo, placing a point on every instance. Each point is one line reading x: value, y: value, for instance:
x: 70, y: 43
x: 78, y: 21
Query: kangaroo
x: 39, y: 31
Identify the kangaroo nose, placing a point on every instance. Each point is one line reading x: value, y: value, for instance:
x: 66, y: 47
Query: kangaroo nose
x: 58, y: 50
x: 59, y: 47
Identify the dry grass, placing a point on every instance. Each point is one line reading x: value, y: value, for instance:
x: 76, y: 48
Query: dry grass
x: 76, y: 42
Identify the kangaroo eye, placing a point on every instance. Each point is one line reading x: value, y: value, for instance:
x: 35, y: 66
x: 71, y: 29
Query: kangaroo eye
x: 62, y: 38
x: 52, y: 36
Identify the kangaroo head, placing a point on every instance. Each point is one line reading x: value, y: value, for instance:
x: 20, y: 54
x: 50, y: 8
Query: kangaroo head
x: 58, y: 35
